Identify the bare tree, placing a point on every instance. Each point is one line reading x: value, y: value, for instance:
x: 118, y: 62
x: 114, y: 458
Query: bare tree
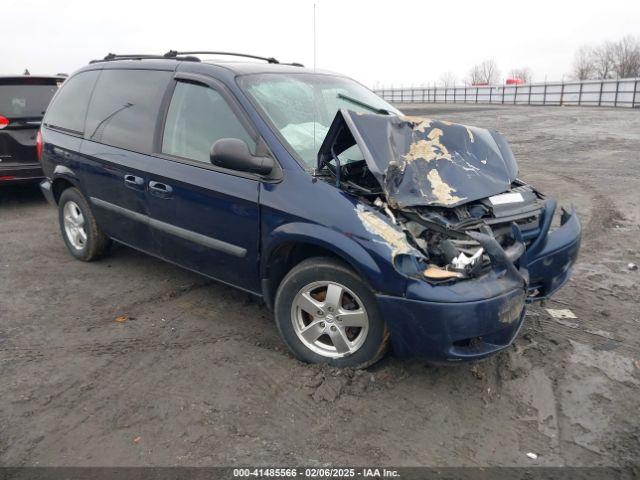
x: 485, y: 72
x: 475, y: 75
x: 583, y: 67
x: 523, y: 74
x: 608, y: 60
x: 603, y: 60
x: 448, y: 79
x: 626, y: 57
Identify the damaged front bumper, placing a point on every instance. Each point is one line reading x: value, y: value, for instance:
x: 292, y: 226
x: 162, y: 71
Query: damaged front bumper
x: 551, y: 255
x: 475, y: 318
x: 446, y: 332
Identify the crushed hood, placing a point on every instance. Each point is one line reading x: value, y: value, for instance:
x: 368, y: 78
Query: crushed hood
x: 419, y: 161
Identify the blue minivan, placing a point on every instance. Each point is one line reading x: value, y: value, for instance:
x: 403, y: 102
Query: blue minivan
x: 358, y: 226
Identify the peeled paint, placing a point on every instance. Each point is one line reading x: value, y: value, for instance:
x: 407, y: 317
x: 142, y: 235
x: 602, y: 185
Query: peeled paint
x: 387, y: 233
x: 424, y: 162
x: 420, y: 123
x: 429, y: 149
x: 441, y: 190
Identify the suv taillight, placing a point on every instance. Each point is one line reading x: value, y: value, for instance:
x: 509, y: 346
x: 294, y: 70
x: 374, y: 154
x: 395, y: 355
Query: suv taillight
x: 3, y: 122
x: 39, y: 145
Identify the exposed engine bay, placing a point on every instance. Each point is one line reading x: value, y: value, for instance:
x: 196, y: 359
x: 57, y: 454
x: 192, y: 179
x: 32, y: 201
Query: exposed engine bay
x: 431, y: 181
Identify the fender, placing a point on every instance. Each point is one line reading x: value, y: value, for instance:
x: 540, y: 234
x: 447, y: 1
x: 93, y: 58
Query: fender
x: 60, y: 171
x: 63, y: 172
x: 389, y: 282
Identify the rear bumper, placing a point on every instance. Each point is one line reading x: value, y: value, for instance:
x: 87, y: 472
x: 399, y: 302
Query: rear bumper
x: 47, y: 190
x: 30, y: 172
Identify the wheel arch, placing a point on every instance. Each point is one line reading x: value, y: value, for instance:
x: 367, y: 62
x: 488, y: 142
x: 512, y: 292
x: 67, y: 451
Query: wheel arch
x: 292, y: 243
x: 63, y: 178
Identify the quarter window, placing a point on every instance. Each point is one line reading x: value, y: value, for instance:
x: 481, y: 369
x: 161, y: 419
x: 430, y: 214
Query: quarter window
x: 125, y: 107
x: 68, y: 108
x: 199, y: 116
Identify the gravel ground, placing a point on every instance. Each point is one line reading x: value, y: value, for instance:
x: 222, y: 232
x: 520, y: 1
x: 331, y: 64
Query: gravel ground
x: 196, y: 374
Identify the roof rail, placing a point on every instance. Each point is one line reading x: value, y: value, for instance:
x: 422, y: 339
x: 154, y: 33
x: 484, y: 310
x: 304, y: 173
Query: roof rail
x: 132, y: 56
x: 174, y: 53
x: 186, y: 56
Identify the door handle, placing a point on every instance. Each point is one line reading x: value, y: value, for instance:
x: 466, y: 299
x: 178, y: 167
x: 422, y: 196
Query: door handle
x: 133, y: 181
x: 160, y: 189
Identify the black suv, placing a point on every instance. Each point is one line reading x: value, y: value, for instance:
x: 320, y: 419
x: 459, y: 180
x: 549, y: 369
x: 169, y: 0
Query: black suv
x: 23, y: 101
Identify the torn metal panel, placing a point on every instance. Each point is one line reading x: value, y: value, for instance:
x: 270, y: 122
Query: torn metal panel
x: 420, y: 161
x: 385, y: 232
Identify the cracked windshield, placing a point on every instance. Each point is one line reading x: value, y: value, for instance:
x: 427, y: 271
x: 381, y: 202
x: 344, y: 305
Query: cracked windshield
x: 302, y: 107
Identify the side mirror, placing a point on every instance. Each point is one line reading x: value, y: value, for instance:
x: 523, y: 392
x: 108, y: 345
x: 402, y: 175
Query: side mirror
x: 234, y: 154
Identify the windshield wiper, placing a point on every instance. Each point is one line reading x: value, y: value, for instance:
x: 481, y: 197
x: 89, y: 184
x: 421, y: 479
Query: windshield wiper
x: 364, y: 105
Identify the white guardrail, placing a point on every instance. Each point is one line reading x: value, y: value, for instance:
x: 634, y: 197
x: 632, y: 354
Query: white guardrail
x: 600, y: 93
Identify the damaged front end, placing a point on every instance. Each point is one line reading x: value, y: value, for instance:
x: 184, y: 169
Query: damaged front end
x: 473, y: 241
x: 453, y: 206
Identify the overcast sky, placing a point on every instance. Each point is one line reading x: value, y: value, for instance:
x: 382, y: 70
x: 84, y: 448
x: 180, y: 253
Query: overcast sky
x: 377, y: 42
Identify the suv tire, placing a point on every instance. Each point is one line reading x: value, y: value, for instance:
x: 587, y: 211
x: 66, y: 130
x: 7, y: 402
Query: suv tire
x: 326, y: 314
x: 82, y: 235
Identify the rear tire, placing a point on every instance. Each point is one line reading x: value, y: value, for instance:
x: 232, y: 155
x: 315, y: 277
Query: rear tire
x: 326, y: 314
x: 82, y: 235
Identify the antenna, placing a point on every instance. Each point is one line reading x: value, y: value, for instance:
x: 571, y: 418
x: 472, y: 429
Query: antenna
x: 315, y: 146
x: 315, y: 50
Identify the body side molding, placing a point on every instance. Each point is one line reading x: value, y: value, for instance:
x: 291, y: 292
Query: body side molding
x: 209, y: 242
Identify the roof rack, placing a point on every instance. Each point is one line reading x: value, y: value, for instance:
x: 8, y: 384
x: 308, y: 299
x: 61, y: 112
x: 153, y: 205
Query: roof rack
x: 132, y: 56
x: 174, y: 53
x: 187, y: 56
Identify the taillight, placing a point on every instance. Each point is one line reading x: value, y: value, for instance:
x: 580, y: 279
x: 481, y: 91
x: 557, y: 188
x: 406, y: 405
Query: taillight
x: 39, y: 145
x: 3, y: 122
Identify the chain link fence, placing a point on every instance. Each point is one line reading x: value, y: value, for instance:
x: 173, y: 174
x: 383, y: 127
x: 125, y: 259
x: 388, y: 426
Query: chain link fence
x: 600, y: 93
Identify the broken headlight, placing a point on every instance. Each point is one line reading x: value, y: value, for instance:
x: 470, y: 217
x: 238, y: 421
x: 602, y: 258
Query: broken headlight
x: 447, y: 256
x: 451, y: 259
x: 430, y: 251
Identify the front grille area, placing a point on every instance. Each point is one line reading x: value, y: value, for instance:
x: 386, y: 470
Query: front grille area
x: 526, y: 214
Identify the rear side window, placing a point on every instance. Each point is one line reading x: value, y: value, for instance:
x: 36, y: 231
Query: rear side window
x: 26, y: 97
x: 69, y: 108
x: 199, y: 116
x: 125, y: 107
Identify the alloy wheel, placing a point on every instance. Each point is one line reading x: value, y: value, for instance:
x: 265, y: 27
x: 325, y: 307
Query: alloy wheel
x: 329, y: 319
x: 74, y: 225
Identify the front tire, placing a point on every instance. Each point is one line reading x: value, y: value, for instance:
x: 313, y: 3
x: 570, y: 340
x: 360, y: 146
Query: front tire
x: 82, y: 235
x: 326, y: 314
